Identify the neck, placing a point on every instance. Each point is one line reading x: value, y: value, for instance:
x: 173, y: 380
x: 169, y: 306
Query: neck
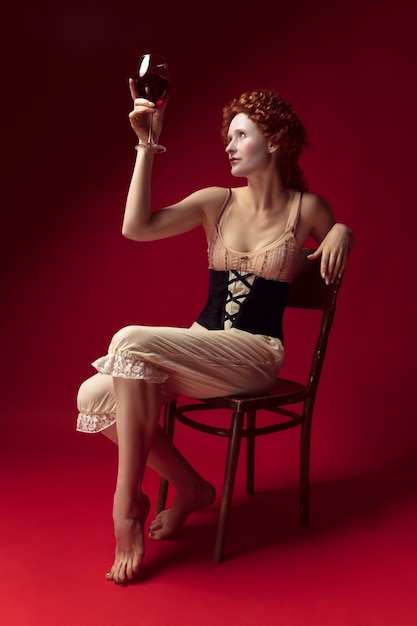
x: 267, y: 191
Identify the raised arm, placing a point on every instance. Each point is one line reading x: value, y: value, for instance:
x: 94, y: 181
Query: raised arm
x: 335, y: 240
x: 140, y: 222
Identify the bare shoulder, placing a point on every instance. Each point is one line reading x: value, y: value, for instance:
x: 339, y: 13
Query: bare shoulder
x: 209, y: 200
x: 314, y: 205
x: 316, y: 217
x: 209, y: 195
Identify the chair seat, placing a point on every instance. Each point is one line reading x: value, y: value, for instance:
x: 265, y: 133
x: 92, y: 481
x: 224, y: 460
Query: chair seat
x: 283, y: 392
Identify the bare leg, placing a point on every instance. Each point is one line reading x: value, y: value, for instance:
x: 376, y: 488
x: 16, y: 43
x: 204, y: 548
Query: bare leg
x: 192, y: 491
x: 138, y: 407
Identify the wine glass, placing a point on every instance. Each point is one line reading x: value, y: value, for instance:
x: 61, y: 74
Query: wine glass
x: 152, y: 82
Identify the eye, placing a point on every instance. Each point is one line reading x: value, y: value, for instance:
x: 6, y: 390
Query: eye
x: 237, y: 134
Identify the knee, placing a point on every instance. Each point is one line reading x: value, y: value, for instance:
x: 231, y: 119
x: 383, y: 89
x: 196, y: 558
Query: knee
x: 96, y: 395
x: 123, y: 338
x: 132, y: 339
x: 84, y: 395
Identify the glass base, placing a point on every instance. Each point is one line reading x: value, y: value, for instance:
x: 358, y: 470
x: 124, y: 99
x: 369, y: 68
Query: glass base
x: 151, y: 146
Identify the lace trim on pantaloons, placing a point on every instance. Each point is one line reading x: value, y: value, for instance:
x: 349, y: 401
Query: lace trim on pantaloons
x: 128, y: 367
x: 94, y: 423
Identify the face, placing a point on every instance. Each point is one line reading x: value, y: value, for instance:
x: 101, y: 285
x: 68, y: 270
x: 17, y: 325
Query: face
x: 249, y: 151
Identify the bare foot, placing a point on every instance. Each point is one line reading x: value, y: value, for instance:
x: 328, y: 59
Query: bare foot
x: 185, y: 502
x: 130, y: 546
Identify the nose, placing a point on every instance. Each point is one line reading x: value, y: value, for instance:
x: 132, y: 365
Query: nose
x: 230, y: 147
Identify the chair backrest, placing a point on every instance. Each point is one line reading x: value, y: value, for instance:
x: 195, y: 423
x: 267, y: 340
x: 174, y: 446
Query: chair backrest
x: 308, y: 289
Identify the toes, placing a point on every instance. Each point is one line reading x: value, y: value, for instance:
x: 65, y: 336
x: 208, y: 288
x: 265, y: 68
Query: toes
x: 153, y: 535
x: 156, y: 525
x: 117, y: 574
x: 109, y: 575
x: 123, y: 572
x: 158, y: 522
x: 132, y: 569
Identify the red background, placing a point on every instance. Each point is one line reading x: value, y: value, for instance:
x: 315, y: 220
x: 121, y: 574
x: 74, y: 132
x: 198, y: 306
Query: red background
x: 71, y: 279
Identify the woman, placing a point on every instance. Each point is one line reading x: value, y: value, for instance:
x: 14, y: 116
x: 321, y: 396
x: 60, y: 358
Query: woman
x: 255, y: 233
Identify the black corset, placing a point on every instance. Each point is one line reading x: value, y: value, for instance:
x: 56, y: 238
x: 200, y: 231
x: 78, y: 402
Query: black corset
x: 260, y: 305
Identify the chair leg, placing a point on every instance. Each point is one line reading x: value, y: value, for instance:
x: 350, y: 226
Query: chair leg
x: 169, y: 423
x: 305, y: 471
x: 250, y: 453
x: 162, y: 495
x: 228, y: 485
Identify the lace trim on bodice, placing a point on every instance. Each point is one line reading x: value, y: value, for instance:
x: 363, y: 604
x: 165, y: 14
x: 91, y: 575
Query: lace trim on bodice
x: 276, y: 261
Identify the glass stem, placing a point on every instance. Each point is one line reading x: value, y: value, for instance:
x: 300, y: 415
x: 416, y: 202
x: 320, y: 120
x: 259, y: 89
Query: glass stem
x: 150, y: 138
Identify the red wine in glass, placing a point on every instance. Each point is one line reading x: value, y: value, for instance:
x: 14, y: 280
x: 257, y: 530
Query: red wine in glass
x: 152, y: 82
x: 152, y: 87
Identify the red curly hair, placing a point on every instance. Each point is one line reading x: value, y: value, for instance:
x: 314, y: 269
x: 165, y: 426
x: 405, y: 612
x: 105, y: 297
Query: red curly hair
x: 278, y: 122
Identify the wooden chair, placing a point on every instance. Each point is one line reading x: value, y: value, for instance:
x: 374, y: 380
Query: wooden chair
x: 308, y: 291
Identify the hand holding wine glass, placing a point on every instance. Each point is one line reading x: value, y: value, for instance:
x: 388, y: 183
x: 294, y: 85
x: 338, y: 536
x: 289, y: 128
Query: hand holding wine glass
x: 149, y: 91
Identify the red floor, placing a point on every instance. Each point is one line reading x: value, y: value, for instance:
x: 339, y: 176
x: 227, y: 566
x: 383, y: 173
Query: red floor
x: 355, y: 565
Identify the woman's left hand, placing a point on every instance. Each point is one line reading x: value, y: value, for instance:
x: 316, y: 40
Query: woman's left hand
x: 334, y: 251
